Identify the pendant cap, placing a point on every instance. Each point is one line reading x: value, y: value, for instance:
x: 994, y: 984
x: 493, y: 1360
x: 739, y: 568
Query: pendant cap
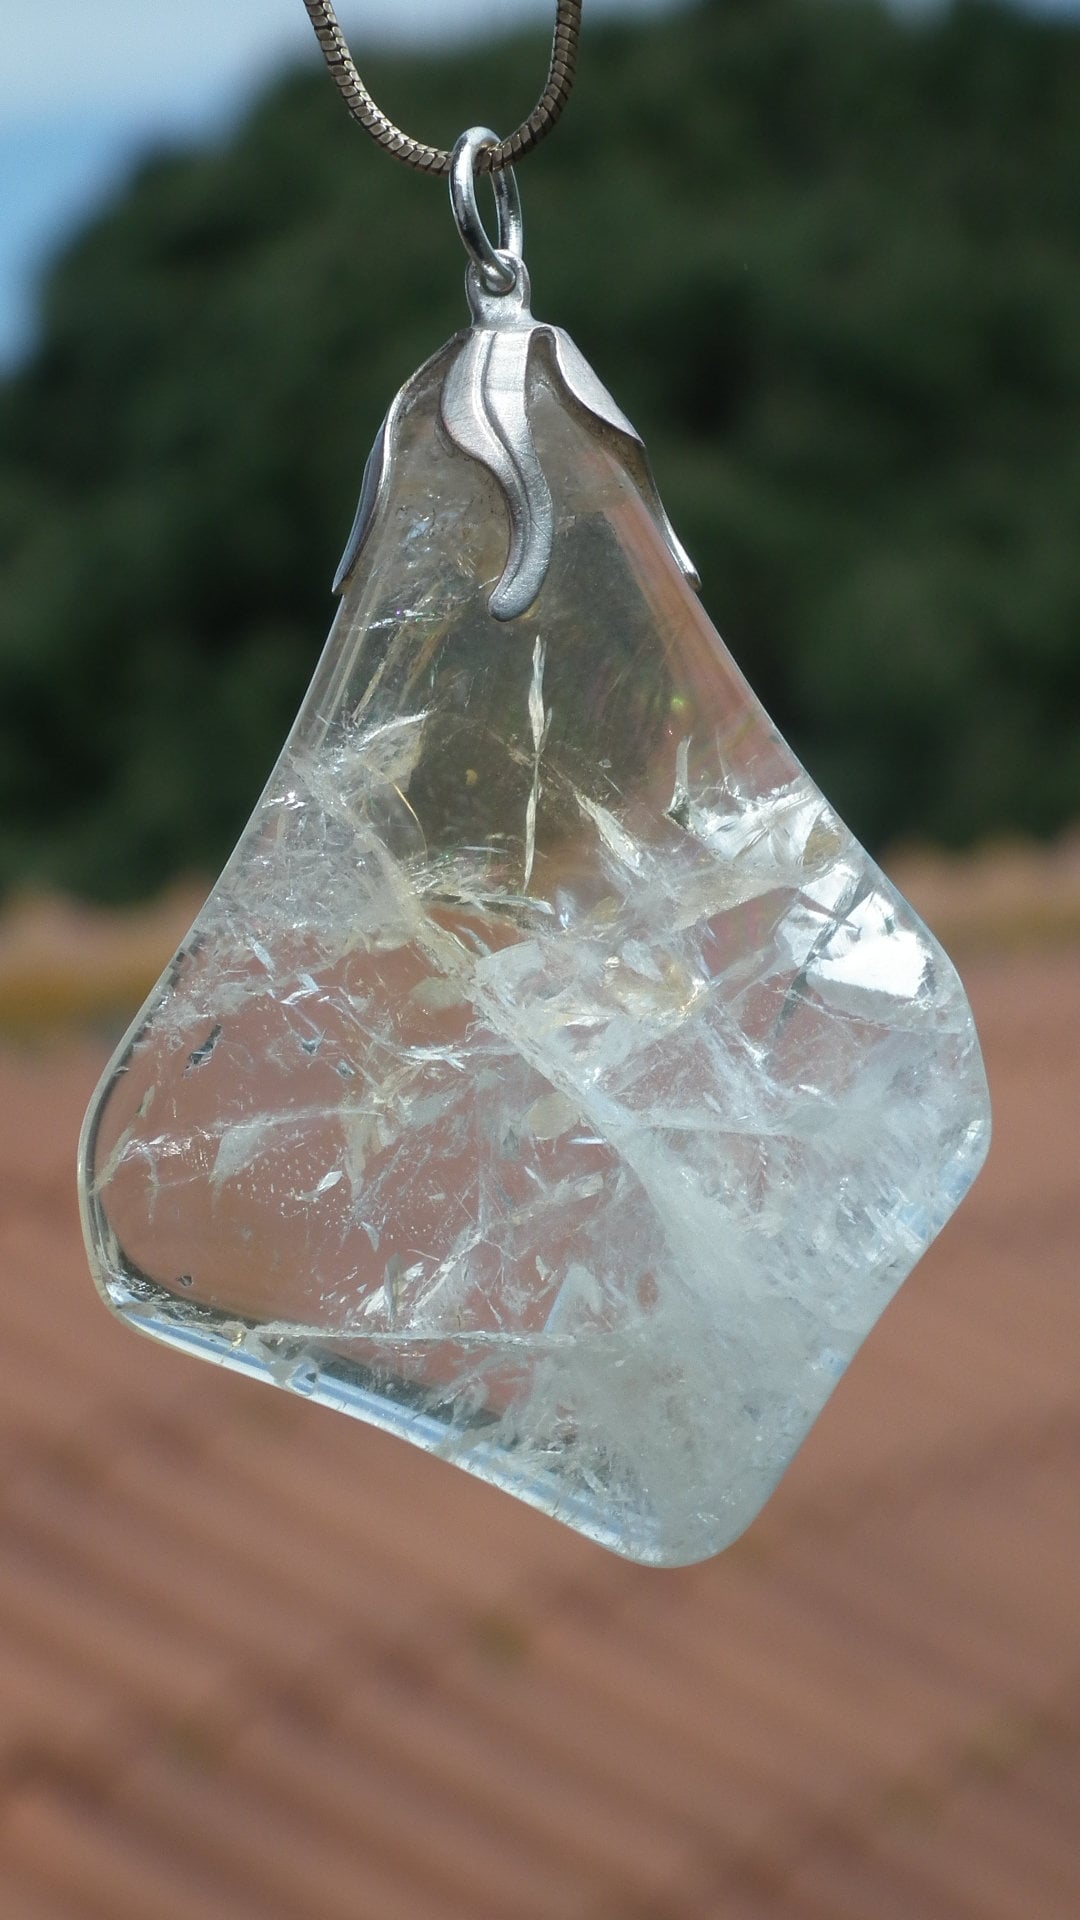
x: 485, y: 406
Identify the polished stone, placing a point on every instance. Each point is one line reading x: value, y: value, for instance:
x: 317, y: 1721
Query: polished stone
x: 550, y: 1078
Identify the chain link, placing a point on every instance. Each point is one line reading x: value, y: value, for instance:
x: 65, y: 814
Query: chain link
x: 415, y: 153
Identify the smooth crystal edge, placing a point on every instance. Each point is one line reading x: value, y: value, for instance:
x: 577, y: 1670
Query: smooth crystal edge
x: 682, y: 1480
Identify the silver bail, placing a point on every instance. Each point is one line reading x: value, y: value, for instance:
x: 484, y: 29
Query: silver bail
x: 498, y: 264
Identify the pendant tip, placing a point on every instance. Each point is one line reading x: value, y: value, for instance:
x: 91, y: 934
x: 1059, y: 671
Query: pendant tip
x: 370, y: 488
x: 510, y: 603
x: 693, y: 577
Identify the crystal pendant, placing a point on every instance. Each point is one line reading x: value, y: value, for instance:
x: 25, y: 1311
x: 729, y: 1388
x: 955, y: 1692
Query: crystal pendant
x: 550, y: 1078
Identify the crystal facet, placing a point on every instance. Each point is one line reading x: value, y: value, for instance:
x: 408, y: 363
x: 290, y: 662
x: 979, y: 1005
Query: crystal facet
x: 550, y: 1078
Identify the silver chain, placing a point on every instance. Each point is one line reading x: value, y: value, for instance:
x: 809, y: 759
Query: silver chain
x: 415, y: 153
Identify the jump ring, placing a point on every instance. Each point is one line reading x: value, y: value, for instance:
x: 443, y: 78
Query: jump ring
x: 497, y: 271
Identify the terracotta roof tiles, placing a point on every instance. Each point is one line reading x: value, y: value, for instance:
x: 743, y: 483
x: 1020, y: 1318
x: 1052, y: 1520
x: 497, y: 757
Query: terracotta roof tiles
x: 261, y: 1663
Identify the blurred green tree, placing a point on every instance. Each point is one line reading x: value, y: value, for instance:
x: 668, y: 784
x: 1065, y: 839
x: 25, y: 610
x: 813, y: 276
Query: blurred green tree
x: 826, y: 260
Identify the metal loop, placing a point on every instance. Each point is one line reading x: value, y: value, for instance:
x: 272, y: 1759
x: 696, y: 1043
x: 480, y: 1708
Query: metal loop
x: 415, y: 153
x: 497, y: 265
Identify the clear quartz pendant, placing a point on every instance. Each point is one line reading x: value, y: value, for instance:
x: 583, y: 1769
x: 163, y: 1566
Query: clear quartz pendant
x: 550, y: 1078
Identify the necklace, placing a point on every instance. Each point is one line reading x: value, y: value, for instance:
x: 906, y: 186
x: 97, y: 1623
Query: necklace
x: 550, y: 1078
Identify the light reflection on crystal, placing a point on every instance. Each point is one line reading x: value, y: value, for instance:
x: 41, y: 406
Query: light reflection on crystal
x: 550, y: 1078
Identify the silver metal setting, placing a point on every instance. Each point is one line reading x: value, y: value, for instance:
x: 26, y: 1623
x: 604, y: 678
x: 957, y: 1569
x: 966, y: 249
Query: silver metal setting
x: 484, y: 402
x: 485, y: 413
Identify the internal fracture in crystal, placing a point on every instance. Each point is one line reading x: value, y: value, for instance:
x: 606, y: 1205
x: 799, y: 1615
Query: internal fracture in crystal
x: 550, y: 1078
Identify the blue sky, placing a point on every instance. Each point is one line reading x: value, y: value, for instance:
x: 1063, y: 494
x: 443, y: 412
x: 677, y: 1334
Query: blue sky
x: 87, y: 85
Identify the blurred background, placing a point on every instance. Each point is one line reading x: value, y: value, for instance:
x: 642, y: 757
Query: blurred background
x: 256, y: 1661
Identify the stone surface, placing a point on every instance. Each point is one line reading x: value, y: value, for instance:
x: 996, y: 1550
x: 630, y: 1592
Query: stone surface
x: 550, y: 1078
